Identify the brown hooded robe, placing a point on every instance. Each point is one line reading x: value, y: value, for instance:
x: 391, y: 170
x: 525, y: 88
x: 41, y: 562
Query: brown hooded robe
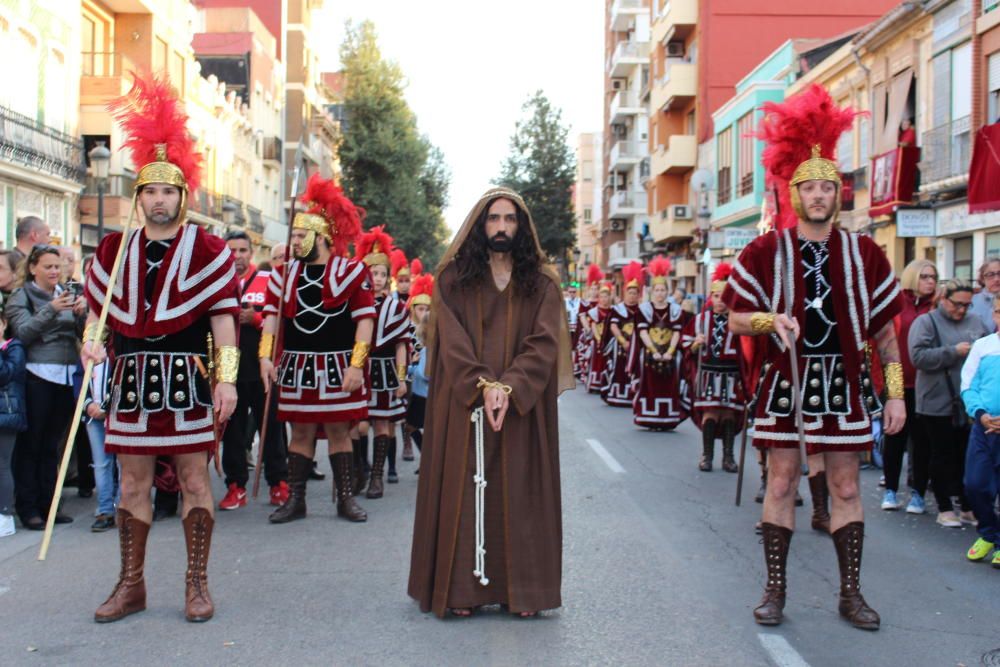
x: 522, y: 342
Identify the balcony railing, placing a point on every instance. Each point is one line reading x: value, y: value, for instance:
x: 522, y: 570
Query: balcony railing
x: 724, y: 185
x: 272, y: 149
x: 239, y: 215
x: 117, y: 185
x: 746, y: 184
x: 207, y: 203
x: 946, y: 151
x: 255, y: 221
x: 31, y: 144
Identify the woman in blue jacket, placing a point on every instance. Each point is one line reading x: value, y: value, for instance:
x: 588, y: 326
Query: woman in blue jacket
x: 12, y: 420
x: 981, y: 394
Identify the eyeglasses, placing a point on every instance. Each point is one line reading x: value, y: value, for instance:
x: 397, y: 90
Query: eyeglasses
x: 991, y: 275
x: 42, y: 248
x: 928, y: 276
x: 961, y: 305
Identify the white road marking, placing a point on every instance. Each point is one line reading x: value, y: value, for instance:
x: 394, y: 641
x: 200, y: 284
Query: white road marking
x: 781, y: 651
x: 605, y: 456
x: 4, y: 589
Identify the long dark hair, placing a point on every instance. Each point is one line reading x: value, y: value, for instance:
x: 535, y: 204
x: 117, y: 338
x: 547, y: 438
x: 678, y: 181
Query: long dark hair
x: 473, y: 260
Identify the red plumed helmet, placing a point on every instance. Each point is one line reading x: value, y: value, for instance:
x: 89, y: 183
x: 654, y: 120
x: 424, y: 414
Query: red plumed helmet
x: 594, y: 274
x: 659, y: 268
x: 400, y: 265
x: 374, y: 247
x: 154, y: 120
x: 343, y: 218
x: 720, y: 276
x: 421, y: 290
x: 416, y: 267
x: 634, y: 275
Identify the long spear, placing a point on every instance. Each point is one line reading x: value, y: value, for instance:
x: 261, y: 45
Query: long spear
x: 794, y: 361
x: 265, y: 422
x: 82, y: 398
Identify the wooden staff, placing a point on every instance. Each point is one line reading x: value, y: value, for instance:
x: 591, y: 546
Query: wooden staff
x: 794, y: 361
x: 278, y: 337
x: 82, y: 398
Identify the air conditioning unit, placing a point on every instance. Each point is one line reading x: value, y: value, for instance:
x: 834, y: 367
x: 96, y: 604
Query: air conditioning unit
x: 617, y: 84
x: 682, y: 212
x: 617, y: 225
x: 675, y: 49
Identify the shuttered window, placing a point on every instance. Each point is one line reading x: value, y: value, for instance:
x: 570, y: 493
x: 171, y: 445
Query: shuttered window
x: 994, y: 88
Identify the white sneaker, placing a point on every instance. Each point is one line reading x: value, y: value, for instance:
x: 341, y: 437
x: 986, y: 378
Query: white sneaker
x: 968, y: 518
x: 949, y: 520
x: 7, y: 525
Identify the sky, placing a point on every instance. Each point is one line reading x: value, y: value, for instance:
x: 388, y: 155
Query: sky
x: 471, y: 65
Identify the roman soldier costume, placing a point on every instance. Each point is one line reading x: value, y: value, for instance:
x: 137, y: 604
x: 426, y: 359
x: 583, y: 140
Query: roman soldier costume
x: 411, y: 272
x: 597, y: 370
x: 841, y: 291
x: 619, y: 387
x: 322, y: 305
x: 584, y: 339
x: 392, y: 328
x: 715, y: 383
x: 573, y: 315
x: 400, y: 270
x: 160, y: 395
x: 657, y: 402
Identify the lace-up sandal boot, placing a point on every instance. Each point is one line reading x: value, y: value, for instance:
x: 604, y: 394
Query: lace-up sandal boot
x: 820, y: 499
x: 343, y: 488
x: 849, y: 541
x: 407, y: 444
x: 770, y: 611
x: 294, y: 508
x: 376, y: 485
x: 198, y: 525
x: 728, y: 442
x: 129, y: 594
x: 707, y: 445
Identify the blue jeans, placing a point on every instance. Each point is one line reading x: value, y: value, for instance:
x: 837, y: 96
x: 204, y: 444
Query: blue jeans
x: 982, y: 480
x: 105, y: 478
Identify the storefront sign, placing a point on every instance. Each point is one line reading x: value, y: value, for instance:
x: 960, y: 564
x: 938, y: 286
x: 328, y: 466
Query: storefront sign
x: 915, y: 222
x: 956, y: 219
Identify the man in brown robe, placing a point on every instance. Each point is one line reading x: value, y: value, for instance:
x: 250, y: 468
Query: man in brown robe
x: 500, y: 342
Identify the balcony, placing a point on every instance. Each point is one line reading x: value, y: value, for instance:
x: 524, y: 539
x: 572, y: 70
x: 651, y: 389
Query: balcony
x: 621, y: 253
x: 627, y: 55
x: 104, y: 76
x: 678, y: 85
x: 624, y: 155
x: 665, y: 227
x: 946, y: 154
x: 676, y: 19
x: 26, y: 142
x: 624, y: 13
x: 116, y: 185
x: 679, y: 155
x: 626, y: 203
x: 271, y: 151
x: 625, y: 103
x: 239, y: 213
x: 255, y: 221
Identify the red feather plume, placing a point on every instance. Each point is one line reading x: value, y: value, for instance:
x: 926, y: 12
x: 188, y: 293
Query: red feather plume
x: 722, y: 271
x: 374, y: 240
x: 422, y: 284
x: 343, y: 218
x: 634, y: 271
x: 660, y: 266
x: 398, y: 261
x: 150, y: 114
x: 791, y: 129
x: 594, y: 274
x: 416, y: 267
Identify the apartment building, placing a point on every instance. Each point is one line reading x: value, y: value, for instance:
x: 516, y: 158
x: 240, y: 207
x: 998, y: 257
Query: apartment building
x: 587, y: 202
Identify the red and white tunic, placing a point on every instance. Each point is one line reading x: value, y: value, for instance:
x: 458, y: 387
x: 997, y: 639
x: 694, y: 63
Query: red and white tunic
x: 323, y: 304
x: 619, y: 387
x: 657, y: 401
x: 584, y: 337
x: 160, y: 402
x: 843, y: 292
x: 392, y: 327
x: 714, y: 368
x: 597, y: 368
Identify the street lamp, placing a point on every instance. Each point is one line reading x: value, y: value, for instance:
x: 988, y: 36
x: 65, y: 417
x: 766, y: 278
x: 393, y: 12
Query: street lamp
x: 228, y: 213
x: 100, y: 163
x: 576, y: 264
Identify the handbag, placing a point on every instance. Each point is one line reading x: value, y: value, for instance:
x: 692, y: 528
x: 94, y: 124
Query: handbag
x: 959, y: 417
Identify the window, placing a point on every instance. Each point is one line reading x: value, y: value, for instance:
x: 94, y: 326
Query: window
x: 55, y: 90
x: 587, y: 170
x: 746, y: 153
x: 588, y: 215
x: 963, y: 258
x: 994, y: 88
x: 993, y: 244
x: 25, y: 75
x: 864, y: 140
x: 845, y: 151
x: 177, y: 72
x: 724, y: 152
x: 159, y: 56
x: 689, y: 122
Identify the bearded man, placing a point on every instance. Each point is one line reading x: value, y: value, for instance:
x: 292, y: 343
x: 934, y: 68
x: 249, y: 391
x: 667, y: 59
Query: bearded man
x: 499, y: 353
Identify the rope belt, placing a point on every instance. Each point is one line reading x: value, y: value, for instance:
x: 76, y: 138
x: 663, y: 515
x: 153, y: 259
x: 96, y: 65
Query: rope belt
x: 479, y: 569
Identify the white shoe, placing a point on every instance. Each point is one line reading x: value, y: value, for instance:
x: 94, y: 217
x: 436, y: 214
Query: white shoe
x: 968, y: 518
x: 7, y: 525
x: 949, y: 520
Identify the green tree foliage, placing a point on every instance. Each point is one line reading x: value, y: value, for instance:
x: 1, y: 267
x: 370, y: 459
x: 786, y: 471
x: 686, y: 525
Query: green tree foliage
x: 541, y: 167
x: 389, y: 169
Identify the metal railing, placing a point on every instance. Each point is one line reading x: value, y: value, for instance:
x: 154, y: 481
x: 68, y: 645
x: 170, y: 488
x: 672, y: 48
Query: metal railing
x: 255, y: 221
x: 946, y: 151
x: 724, y: 180
x: 272, y: 149
x: 115, y: 185
x: 239, y: 215
x: 29, y: 143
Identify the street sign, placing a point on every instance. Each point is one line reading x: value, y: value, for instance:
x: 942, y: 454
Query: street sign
x: 738, y: 238
x: 915, y: 222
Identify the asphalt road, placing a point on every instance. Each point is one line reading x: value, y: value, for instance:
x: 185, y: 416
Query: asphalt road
x: 660, y: 568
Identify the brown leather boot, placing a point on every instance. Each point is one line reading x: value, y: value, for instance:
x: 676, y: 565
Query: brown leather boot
x: 407, y: 444
x: 299, y: 468
x: 772, y: 605
x: 129, y: 594
x: 375, y: 483
x: 360, y: 446
x: 849, y: 541
x: 343, y: 488
x: 707, y: 445
x: 820, y: 497
x: 198, y: 525
x: 728, y: 443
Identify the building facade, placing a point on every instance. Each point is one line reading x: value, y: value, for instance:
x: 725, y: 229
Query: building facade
x: 587, y: 201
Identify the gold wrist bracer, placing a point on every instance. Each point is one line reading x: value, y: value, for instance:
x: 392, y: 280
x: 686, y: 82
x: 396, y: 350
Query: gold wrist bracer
x: 671, y: 351
x: 266, y: 346
x: 651, y: 350
x: 359, y: 354
x: 894, y: 380
x: 485, y: 384
x: 621, y: 340
x: 90, y: 333
x: 401, y: 372
x: 762, y: 323
x: 227, y: 364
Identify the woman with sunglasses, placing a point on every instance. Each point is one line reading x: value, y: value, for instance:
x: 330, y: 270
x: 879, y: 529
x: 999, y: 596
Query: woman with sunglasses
x: 939, y: 343
x: 919, y: 283
x: 48, y: 320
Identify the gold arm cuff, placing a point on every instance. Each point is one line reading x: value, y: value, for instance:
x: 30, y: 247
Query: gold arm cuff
x: 227, y: 364
x: 266, y: 346
x: 90, y: 333
x: 671, y: 352
x: 485, y: 384
x: 621, y: 340
x: 894, y: 380
x: 762, y: 323
x: 401, y: 372
x: 651, y: 350
x: 359, y: 354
